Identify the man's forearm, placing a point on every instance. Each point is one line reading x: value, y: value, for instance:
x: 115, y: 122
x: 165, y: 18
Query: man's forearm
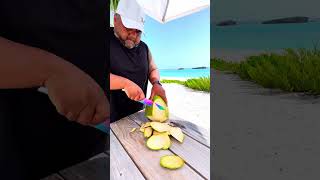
x: 117, y: 82
x: 23, y: 66
x: 154, y: 75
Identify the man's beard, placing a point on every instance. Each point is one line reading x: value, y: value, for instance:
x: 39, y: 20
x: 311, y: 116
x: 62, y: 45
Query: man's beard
x: 129, y: 44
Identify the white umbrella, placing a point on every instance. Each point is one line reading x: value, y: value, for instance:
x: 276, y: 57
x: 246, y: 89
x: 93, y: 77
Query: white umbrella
x: 167, y: 10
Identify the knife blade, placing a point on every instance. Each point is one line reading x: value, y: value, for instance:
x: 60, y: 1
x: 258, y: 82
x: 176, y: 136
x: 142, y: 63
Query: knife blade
x: 148, y: 102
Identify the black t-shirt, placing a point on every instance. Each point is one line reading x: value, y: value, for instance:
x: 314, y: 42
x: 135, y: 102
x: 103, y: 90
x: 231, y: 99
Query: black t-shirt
x: 132, y: 64
x: 35, y: 140
x: 72, y: 29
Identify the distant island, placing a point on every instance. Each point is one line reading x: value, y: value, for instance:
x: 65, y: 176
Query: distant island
x: 180, y: 68
x: 227, y: 23
x: 287, y: 20
x: 203, y: 67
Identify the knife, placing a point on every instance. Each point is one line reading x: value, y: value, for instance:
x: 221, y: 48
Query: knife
x: 148, y: 102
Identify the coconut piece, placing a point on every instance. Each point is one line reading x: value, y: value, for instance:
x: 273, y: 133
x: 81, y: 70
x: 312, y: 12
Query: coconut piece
x: 147, y: 124
x: 141, y: 129
x: 157, y: 142
x: 177, y: 133
x: 156, y: 132
x: 171, y: 161
x: 147, y: 132
x: 167, y: 140
x: 160, y: 127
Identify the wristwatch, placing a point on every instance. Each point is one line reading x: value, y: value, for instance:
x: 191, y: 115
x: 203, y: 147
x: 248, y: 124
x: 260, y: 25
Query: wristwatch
x: 156, y: 82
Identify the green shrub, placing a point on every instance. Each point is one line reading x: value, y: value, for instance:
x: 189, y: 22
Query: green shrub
x: 201, y: 84
x: 294, y: 70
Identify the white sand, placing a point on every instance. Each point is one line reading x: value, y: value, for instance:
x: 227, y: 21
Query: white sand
x: 188, y: 104
x: 263, y: 134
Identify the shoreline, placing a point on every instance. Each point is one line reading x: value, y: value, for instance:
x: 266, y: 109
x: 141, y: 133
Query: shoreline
x: 178, y: 78
x: 175, y: 78
x: 237, y: 55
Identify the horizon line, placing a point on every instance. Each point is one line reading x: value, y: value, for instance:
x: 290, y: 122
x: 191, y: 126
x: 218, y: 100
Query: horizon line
x: 261, y: 20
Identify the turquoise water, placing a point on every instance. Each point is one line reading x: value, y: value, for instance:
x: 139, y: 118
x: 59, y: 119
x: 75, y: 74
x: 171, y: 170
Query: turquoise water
x: 265, y: 36
x: 185, y: 73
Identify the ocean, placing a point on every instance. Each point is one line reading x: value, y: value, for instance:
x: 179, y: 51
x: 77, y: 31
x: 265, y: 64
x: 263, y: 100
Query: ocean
x: 185, y: 73
x: 265, y: 36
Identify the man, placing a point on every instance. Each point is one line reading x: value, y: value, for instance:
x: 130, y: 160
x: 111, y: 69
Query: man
x: 60, y: 45
x: 131, y: 62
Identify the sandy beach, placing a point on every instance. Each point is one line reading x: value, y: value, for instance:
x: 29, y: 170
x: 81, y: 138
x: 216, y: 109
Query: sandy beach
x: 190, y: 105
x: 262, y: 133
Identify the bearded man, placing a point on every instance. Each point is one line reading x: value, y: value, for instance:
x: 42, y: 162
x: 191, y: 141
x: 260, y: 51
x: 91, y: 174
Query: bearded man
x: 131, y: 63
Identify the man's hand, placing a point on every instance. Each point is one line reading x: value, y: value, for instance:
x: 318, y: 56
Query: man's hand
x: 77, y: 96
x: 74, y: 93
x: 133, y: 91
x: 158, y: 90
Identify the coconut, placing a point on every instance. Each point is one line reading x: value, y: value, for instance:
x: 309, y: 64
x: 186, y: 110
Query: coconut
x: 154, y: 113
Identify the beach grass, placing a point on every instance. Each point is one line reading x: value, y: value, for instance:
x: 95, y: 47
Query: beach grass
x: 172, y: 81
x: 221, y: 65
x: 293, y: 71
x: 200, y: 84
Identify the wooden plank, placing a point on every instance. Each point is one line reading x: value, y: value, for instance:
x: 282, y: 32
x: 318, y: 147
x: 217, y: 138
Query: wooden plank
x: 53, y: 177
x: 121, y: 166
x: 146, y: 160
x: 194, y: 153
x: 190, y: 129
x: 96, y: 168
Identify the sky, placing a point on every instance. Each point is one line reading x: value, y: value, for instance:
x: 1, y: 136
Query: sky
x: 184, y: 42
x: 243, y: 10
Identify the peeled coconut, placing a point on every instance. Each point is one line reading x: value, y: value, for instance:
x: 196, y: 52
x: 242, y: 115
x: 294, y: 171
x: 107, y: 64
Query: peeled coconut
x: 171, y: 162
x: 154, y: 113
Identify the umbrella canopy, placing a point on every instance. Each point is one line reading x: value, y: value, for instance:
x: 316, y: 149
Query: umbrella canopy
x: 166, y: 10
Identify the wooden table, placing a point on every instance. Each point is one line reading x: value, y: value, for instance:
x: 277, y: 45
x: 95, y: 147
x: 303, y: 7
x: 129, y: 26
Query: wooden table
x: 96, y: 168
x: 131, y: 159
